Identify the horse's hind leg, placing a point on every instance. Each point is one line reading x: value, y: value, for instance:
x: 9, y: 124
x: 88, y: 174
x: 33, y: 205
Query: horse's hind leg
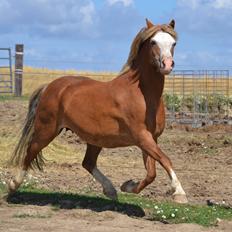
x: 42, y: 136
x: 133, y: 187
x: 89, y: 163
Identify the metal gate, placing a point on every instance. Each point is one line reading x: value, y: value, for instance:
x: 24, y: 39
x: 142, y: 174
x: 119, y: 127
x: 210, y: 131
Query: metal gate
x: 198, y: 96
x: 6, y: 79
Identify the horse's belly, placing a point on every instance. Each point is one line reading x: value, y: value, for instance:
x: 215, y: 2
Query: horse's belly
x: 108, y: 141
x: 104, y: 132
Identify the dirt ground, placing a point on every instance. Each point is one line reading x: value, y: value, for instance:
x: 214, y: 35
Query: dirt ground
x: 201, y: 157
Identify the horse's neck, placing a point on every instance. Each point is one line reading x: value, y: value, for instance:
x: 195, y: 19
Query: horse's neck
x: 150, y: 82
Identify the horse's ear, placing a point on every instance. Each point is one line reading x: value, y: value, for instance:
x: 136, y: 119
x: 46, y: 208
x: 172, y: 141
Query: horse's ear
x: 172, y: 23
x: 149, y: 24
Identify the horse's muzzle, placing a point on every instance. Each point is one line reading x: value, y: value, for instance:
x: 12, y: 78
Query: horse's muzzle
x: 167, y: 65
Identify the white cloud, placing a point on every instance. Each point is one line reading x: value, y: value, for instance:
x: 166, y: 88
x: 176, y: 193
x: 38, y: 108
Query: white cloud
x: 124, y: 2
x: 4, y: 4
x: 193, y: 4
x: 87, y: 12
x: 73, y: 18
x: 222, y: 4
x: 48, y: 17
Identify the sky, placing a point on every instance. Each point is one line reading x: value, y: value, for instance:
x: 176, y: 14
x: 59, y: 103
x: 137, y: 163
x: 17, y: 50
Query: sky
x: 96, y: 35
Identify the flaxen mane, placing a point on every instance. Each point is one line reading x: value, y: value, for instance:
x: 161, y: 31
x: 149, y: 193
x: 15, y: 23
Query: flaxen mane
x: 140, y: 38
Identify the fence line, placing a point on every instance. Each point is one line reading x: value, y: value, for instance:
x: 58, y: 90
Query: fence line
x: 190, y: 95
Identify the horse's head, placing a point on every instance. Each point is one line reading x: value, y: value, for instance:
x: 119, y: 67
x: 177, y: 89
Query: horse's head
x: 161, y: 46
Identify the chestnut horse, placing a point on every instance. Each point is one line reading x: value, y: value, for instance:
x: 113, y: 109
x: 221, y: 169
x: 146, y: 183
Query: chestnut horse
x: 126, y: 111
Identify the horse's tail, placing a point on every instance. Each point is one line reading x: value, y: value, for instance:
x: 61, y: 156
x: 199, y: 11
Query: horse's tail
x: 20, y: 151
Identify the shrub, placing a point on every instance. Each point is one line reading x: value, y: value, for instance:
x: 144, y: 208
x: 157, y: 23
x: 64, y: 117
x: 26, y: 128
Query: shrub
x: 172, y: 102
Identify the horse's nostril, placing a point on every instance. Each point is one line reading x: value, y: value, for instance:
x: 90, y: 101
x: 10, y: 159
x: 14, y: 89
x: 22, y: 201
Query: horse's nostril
x: 162, y: 64
x: 173, y: 64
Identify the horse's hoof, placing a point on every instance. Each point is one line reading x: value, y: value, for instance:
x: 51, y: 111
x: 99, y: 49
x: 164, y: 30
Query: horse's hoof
x: 12, y: 187
x: 180, y: 198
x: 129, y: 186
x: 111, y: 193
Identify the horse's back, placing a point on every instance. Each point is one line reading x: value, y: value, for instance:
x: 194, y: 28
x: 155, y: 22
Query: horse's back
x: 50, y: 103
x: 56, y: 88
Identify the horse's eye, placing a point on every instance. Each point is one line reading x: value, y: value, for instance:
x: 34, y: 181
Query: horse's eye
x: 174, y: 44
x: 153, y: 42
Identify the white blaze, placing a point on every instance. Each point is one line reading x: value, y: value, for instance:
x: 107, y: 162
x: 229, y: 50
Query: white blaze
x: 165, y: 42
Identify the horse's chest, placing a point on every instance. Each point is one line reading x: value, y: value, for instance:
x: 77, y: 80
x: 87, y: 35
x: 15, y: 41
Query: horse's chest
x: 155, y: 119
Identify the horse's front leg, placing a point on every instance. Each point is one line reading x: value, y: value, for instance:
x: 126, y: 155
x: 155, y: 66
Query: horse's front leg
x: 147, y: 144
x: 131, y: 186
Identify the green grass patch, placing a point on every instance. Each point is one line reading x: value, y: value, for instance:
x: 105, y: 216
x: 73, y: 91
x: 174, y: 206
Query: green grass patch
x: 28, y: 215
x: 2, y: 187
x: 12, y: 97
x: 130, y: 204
x: 171, y: 212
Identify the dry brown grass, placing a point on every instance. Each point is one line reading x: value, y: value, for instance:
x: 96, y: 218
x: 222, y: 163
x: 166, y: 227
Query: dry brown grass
x: 191, y: 86
x: 34, y: 77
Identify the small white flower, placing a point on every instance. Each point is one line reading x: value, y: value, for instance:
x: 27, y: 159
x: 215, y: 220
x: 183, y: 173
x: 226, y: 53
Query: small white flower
x: 163, y: 216
x: 176, y: 210
x: 156, y: 207
x: 173, y: 215
x: 4, y: 182
x: 158, y: 212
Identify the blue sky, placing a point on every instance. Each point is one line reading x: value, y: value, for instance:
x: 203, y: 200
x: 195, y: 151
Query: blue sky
x: 96, y: 35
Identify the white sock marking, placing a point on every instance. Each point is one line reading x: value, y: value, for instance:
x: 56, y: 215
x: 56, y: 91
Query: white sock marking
x: 104, y: 181
x: 17, y: 181
x: 176, y: 185
x: 20, y: 176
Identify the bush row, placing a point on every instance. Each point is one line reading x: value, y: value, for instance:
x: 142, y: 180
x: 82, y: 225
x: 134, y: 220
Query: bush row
x: 214, y: 103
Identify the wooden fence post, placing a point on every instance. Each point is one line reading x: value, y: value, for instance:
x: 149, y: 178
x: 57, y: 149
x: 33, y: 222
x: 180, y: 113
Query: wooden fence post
x: 18, y: 69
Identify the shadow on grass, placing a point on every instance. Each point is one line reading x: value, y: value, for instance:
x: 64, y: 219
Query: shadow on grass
x: 74, y: 201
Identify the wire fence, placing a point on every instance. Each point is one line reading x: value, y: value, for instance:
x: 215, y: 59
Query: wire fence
x: 191, y: 96
x: 199, y: 96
